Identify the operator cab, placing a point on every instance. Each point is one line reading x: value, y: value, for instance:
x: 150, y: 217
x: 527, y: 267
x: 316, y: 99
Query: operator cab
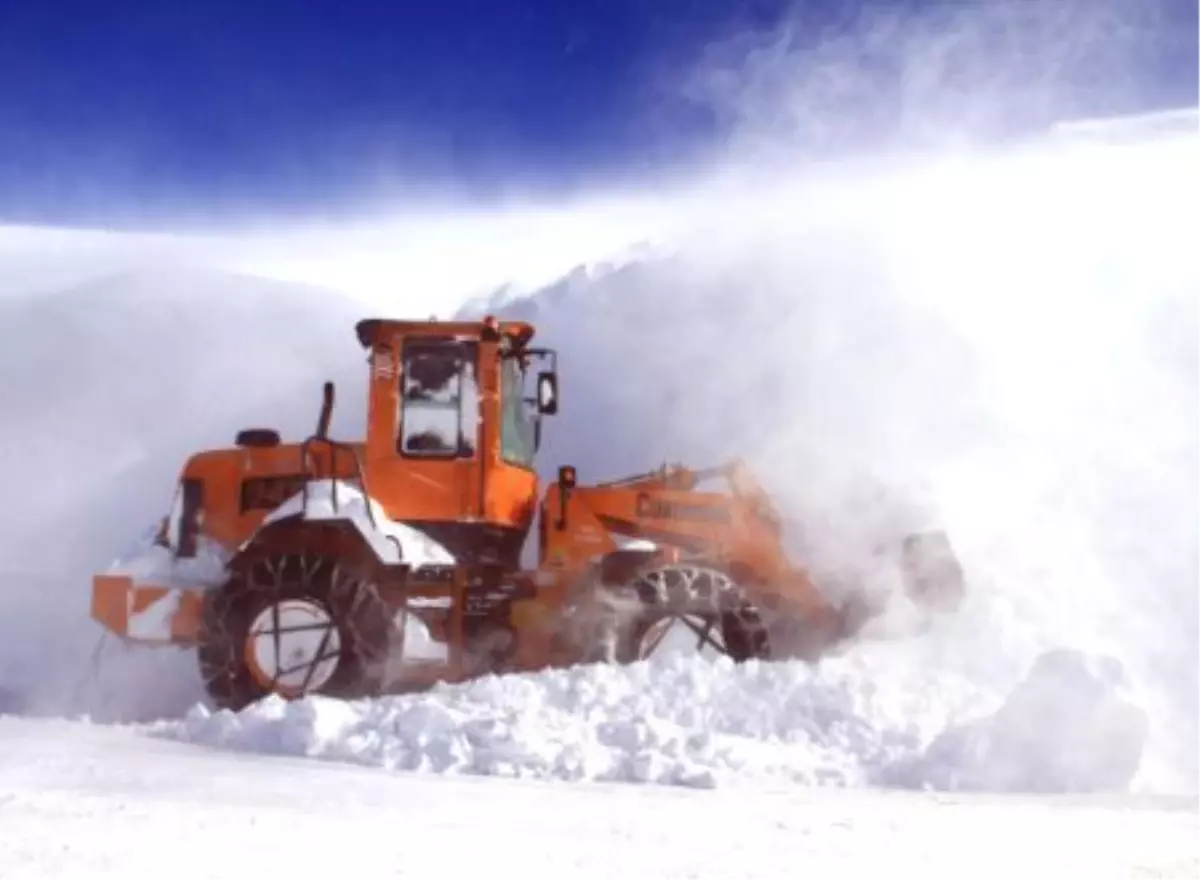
x: 455, y: 412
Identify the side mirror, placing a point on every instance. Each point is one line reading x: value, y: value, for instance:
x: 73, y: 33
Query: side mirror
x: 547, y: 393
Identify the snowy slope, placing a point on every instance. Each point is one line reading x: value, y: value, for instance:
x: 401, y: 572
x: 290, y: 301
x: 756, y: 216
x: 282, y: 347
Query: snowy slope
x: 78, y: 801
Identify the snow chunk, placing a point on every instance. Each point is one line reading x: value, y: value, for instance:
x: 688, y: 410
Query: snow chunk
x: 1068, y: 727
x: 392, y: 542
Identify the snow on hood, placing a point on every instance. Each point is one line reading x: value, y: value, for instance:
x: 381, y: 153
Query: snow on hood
x: 148, y: 562
x: 392, y: 542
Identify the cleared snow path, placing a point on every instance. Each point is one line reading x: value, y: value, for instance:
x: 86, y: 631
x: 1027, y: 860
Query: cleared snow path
x: 80, y: 801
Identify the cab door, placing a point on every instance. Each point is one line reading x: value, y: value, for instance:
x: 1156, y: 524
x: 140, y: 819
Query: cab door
x: 430, y: 473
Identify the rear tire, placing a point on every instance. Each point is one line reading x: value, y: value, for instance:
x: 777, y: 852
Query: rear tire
x: 293, y: 625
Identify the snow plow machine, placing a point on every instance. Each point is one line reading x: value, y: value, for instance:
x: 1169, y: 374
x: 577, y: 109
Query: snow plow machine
x: 301, y: 568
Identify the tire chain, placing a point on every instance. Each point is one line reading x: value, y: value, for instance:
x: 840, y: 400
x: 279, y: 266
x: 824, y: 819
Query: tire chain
x: 676, y: 590
x: 363, y: 621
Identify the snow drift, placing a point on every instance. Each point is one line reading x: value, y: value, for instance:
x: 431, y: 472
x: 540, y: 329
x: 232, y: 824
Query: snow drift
x: 676, y: 721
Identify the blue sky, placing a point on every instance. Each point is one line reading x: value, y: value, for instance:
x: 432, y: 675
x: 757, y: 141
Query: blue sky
x: 133, y: 109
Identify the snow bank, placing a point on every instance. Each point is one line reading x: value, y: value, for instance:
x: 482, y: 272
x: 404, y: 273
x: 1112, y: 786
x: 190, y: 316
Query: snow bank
x: 677, y: 721
x: 672, y: 721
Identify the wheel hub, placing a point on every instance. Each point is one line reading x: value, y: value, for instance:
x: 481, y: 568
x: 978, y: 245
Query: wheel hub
x: 293, y: 647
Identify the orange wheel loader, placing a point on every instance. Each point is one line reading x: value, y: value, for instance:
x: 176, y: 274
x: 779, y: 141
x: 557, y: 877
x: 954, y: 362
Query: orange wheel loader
x: 392, y: 562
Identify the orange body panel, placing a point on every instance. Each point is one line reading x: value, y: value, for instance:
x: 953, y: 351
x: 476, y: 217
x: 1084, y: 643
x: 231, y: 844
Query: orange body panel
x: 511, y: 495
x: 237, y: 498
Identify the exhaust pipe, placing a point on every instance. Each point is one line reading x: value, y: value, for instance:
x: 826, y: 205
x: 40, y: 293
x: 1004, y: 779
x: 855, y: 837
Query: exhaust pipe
x: 326, y: 411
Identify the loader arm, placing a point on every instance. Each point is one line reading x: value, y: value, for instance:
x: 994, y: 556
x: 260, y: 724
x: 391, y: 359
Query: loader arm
x: 739, y: 528
x: 614, y: 532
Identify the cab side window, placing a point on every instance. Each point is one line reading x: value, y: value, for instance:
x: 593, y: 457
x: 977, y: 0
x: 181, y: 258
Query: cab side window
x: 518, y: 428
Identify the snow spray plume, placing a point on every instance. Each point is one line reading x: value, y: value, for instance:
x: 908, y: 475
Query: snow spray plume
x: 1004, y: 341
x: 939, y: 74
x: 999, y: 341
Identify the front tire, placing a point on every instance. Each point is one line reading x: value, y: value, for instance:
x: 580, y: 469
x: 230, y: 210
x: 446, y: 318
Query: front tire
x: 293, y: 625
x: 707, y: 601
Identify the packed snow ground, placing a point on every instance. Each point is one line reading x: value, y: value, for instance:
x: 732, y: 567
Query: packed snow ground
x: 82, y: 801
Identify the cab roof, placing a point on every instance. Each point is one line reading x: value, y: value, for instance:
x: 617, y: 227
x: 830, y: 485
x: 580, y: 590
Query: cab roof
x: 373, y: 330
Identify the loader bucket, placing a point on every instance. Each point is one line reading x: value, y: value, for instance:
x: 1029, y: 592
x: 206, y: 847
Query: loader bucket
x: 933, y: 576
